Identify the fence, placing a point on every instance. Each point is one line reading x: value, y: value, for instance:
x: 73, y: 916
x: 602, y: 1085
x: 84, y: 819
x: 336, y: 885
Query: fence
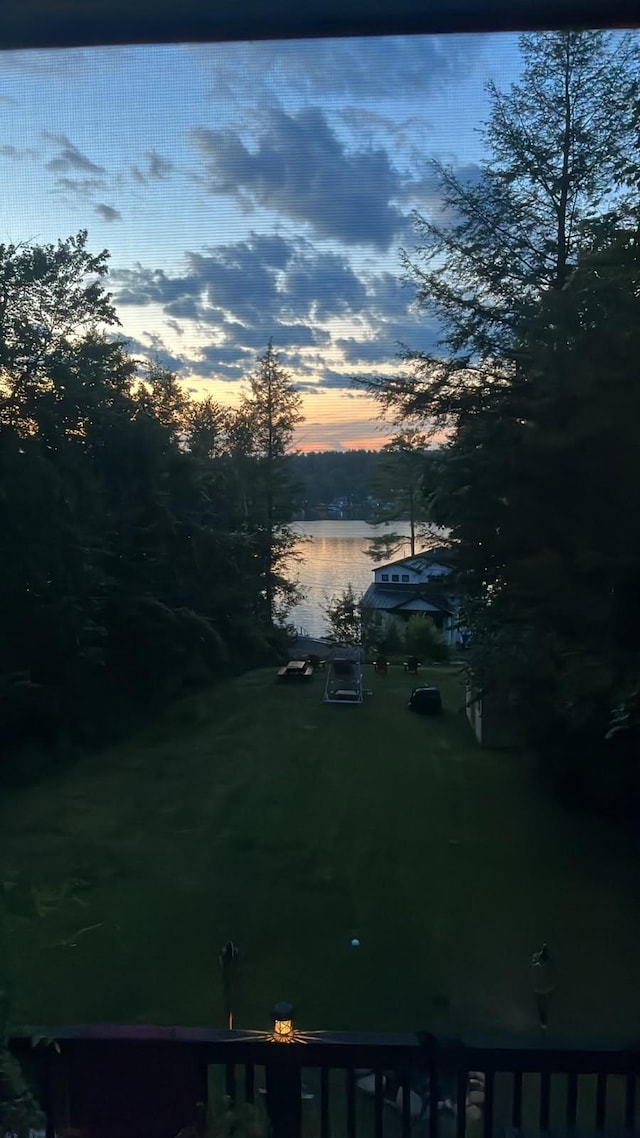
x: 104, y: 1081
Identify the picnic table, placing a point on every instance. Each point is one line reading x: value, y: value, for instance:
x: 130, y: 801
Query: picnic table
x: 296, y: 670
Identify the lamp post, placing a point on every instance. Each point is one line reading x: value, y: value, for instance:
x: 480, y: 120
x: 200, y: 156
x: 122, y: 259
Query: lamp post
x: 283, y: 1078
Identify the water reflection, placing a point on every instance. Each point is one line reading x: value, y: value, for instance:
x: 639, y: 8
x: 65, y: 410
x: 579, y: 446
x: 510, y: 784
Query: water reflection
x: 335, y: 557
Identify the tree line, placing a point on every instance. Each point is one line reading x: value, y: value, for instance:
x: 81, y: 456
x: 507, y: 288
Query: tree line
x: 144, y: 536
x: 532, y: 271
x: 323, y: 476
x: 383, y: 486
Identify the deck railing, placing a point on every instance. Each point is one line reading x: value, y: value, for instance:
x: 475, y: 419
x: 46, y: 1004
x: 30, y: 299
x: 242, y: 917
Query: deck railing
x: 103, y: 1081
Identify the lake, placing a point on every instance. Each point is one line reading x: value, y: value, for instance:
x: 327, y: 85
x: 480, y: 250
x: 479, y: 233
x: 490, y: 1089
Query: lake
x: 333, y: 557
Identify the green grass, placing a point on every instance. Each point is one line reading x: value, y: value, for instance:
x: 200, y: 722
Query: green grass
x: 254, y: 811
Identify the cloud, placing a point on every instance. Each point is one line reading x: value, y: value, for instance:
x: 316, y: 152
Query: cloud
x: 363, y: 123
x: 186, y: 307
x: 424, y: 190
x: 337, y: 380
x: 222, y: 361
x: 83, y: 187
x: 69, y: 157
x: 283, y: 335
x: 9, y: 151
x: 107, y: 212
x: 377, y: 67
x: 323, y: 286
x: 157, y: 166
x: 156, y: 351
x: 138, y: 176
x: 245, y: 292
x: 67, y: 66
x: 250, y: 286
x: 417, y: 333
x: 366, y: 351
x: 298, y: 167
x: 343, y: 435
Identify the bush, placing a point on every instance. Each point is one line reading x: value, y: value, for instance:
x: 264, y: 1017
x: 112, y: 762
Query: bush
x: 423, y: 639
x: 392, y: 641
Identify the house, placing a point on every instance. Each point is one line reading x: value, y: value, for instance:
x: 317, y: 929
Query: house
x: 413, y: 585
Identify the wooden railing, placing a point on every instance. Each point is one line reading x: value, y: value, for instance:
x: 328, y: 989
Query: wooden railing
x: 107, y: 1081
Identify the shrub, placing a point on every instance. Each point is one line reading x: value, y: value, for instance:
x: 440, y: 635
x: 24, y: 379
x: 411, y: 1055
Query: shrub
x: 392, y: 641
x: 423, y: 639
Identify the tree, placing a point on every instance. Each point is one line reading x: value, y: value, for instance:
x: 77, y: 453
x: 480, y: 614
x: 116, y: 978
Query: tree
x: 497, y: 243
x: 344, y: 617
x: 132, y: 521
x: 532, y: 275
x: 51, y: 297
x: 400, y: 482
x: 325, y: 475
x: 423, y: 639
x: 269, y: 414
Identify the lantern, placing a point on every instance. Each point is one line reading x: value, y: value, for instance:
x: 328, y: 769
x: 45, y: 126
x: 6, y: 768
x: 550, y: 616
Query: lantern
x: 283, y: 1022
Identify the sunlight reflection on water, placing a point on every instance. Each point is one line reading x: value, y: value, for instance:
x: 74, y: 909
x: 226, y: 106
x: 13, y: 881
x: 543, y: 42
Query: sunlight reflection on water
x: 335, y: 557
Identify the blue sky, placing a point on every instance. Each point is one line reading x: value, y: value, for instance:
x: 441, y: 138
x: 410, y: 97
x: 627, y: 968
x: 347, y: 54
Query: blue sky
x: 250, y: 190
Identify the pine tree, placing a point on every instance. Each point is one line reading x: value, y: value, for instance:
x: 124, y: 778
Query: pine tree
x: 269, y: 414
x: 532, y: 274
x: 400, y: 481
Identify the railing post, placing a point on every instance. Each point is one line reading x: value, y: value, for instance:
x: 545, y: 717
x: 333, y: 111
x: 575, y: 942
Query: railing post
x: 284, y: 1077
x: 55, y: 1089
x: 284, y: 1096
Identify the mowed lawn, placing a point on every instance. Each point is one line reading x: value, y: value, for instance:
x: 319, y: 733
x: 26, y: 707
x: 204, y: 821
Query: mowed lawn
x: 257, y: 812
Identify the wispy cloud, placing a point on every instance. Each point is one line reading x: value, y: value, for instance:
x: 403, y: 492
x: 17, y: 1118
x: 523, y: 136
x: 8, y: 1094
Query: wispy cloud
x: 157, y: 166
x: 83, y: 188
x: 107, y: 212
x: 17, y: 152
x: 380, y: 67
x: 69, y: 157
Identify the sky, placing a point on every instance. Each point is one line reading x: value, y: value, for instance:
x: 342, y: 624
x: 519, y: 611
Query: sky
x: 251, y: 191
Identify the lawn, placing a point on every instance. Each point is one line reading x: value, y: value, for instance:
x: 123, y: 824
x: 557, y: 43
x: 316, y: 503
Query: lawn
x: 254, y: 811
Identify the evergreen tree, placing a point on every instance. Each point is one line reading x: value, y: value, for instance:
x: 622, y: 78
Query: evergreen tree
x: 400, y: 482
x: 132, y: 521
x: 269, y: 414
x: 532, y: 275
x: 345, y: 617
x: 495, y: 245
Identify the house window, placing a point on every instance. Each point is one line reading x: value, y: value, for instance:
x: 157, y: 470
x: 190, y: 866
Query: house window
x: 395, y: 577
x: 405, y: 576
x: 385, y: 576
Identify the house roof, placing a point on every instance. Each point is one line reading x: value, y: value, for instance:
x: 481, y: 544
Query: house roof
x: 419, y: 604
x: 410, y: 599
x: 441, y: 555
